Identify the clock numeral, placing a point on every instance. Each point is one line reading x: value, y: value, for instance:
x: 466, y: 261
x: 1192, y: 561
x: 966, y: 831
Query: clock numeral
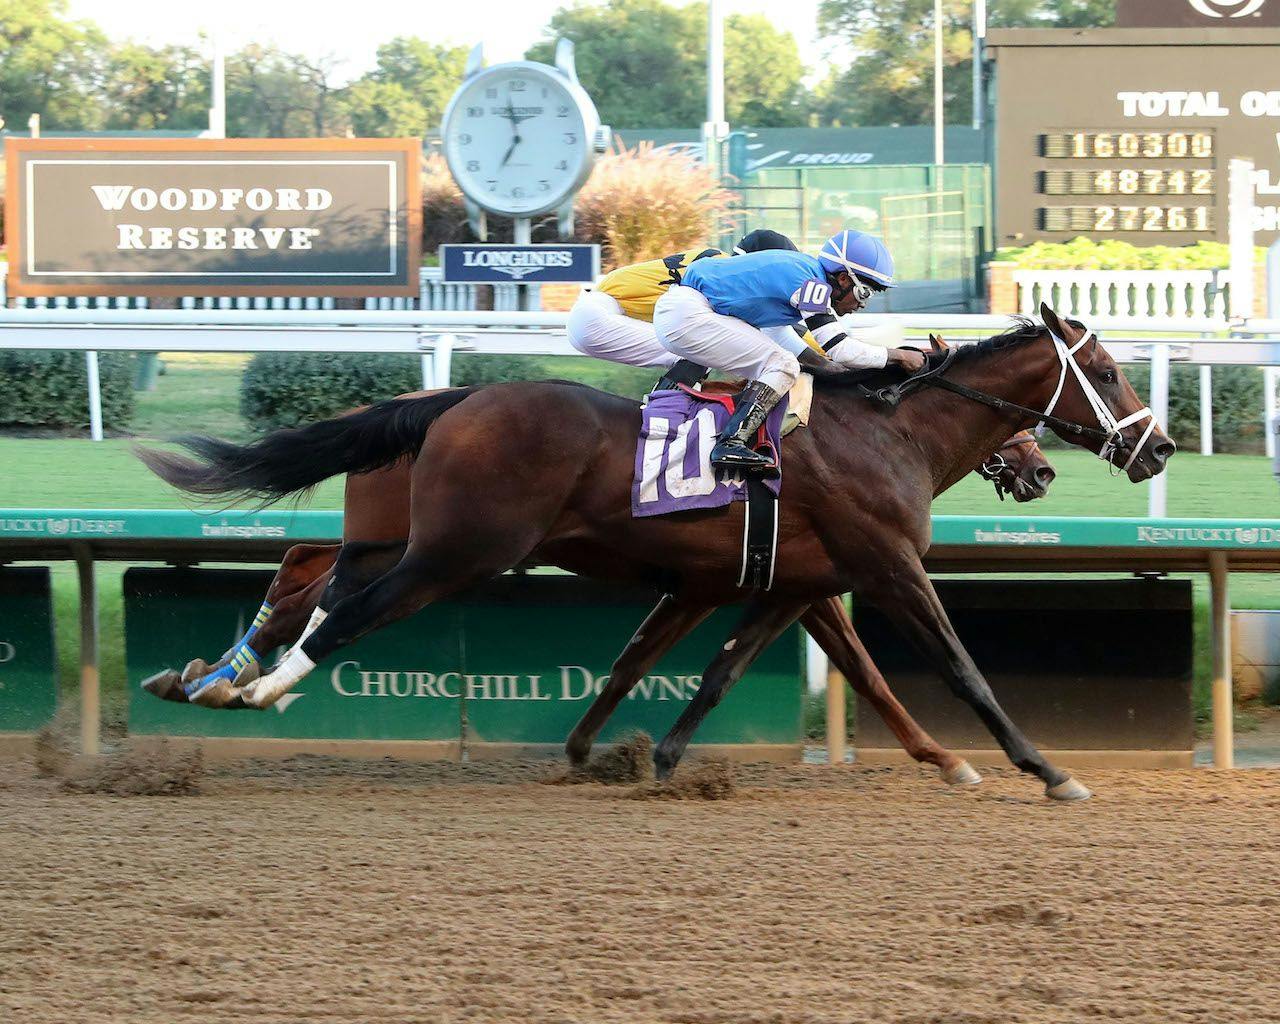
x: 517, y: 85
x: 492, y: 183
x: 563, y: 165
x: 464, y: 139
x: 570, y: 138
x: 545, y: 92
x: 562, y: 110
x: 517, y: 193
x: 544, y: 185
x: 473, y: 165
x: 475, y: 111
x: 491, y: 93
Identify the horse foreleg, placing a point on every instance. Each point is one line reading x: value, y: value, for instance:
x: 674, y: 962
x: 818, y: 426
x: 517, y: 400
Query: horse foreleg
x: 760, y: 625
x: 668, y: 624
x: 828, y: 623
x: 907, y: 596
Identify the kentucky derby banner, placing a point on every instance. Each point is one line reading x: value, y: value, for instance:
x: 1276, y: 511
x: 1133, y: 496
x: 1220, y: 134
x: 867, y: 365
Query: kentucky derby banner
x: 213, y: 216
x: 527, y: 264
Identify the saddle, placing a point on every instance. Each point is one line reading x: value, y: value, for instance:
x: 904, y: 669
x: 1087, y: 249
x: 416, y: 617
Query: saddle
x: 674, y: 474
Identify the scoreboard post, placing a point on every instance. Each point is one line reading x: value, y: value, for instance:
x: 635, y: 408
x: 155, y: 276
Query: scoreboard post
x: 1127, y: 133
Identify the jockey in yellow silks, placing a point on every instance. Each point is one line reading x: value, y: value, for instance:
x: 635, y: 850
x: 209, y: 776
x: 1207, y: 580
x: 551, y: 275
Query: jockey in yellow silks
x: 614, y: 319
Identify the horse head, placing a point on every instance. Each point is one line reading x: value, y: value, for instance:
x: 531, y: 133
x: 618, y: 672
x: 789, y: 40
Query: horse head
x: 1018, y: 467
x: 1092, y: 391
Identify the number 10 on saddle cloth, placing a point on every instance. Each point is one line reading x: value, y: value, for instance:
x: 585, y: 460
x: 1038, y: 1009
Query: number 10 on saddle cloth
x: 673, y: 470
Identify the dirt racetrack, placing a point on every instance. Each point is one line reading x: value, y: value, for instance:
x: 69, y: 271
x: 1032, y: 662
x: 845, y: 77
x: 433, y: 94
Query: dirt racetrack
x: 317, y: 890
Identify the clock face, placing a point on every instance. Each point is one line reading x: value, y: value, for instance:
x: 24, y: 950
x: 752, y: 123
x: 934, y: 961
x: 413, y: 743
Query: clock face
x: 515, y: 139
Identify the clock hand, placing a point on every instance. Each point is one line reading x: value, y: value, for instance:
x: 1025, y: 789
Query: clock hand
x: 514, y: 142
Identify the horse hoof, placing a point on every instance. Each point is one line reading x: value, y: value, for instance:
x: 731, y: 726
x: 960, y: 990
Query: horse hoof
x: 163, y: 684
x: 962, y: 774
x: 197, y: 668
x: 1067, y: 789
x: 214, y: 695
x: 249, y: 674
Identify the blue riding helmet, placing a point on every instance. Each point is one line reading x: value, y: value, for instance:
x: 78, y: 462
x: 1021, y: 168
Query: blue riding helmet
x: 862, y: 256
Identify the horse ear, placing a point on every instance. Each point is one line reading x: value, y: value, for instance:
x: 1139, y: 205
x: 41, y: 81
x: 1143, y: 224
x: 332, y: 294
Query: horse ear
x: 936, y: 343
x: 1053, y: 321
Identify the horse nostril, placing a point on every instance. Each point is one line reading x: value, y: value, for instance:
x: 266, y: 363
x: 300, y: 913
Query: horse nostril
x: 1044, y: 476
x: 1164, y: 451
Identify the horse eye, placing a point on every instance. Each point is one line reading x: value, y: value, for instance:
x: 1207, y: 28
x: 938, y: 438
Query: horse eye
x: 1108, y: 376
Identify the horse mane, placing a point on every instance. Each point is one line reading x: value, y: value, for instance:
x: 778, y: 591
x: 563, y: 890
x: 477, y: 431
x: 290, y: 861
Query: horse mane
x: 1023, y: 331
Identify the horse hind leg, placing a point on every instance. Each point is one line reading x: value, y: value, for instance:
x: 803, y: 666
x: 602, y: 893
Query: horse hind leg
x: 828, y: 623
x: 425, y: 573
x: 664, y: 627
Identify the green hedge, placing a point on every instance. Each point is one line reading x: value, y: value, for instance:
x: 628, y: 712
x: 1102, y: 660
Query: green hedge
x: 285, y: 389
x: 1110, y: 254
x: 50, y: 389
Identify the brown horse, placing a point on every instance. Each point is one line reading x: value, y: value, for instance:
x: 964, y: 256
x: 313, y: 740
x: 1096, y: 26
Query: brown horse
x: 543, y: 470
x: 376, y: 508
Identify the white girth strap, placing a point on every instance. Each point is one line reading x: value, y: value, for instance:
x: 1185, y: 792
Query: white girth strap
x: 1108, y: 422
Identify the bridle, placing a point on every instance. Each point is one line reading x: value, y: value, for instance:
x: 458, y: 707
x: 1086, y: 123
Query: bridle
x: 996, y: 465
x: 1108, y: 434
x: 1115, y: 442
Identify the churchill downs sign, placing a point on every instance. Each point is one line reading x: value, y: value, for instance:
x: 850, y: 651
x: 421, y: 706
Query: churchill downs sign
x: 213, y: 216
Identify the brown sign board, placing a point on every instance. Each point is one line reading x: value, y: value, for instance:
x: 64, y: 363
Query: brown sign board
x: 213, y: 216
x: 1197, y: 13
x: 1128, y: 133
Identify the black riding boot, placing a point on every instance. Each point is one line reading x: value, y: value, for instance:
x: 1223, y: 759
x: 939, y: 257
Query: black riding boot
x: 733, y: 448
x: 683, y: 371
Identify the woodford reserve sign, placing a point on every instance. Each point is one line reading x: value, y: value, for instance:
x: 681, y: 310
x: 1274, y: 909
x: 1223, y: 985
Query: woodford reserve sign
x: 213, y: 216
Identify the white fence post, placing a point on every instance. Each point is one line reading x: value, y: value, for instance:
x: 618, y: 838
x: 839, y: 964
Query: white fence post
x: 1240, y: 237
x: 1269, y: 408
x: 444, y: 360
x: 95, y: 395
x: 1158, y: 486
x: 1206, y: 410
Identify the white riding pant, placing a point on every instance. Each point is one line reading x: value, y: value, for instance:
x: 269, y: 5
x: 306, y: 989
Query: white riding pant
x: 687, y: 326
x: 598, y: 327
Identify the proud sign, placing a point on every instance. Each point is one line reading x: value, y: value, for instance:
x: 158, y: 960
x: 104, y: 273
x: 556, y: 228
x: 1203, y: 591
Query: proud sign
x: 213, y: 216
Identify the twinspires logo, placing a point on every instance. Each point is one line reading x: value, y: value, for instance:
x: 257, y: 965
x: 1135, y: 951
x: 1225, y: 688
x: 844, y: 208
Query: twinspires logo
x: 571, y: 683
x: 540, y: 264
x: 1028, y: 536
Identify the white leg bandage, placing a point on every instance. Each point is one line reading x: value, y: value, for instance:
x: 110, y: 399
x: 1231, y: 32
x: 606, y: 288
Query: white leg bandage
x: 280, y: 680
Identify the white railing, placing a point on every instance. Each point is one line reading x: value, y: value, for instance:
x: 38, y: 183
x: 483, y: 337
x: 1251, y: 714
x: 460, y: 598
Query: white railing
x: 435, y: 335
x: 1140, y: 293
x: 433, y: 293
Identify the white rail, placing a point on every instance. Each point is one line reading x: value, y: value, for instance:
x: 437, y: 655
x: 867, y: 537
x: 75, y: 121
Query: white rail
x: 1141, y: 293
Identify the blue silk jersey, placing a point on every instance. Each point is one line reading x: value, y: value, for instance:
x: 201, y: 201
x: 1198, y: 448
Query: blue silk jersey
x: 766, y: 289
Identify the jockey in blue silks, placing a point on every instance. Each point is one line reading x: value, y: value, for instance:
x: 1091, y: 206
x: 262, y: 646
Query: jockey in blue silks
x: 739, y: 316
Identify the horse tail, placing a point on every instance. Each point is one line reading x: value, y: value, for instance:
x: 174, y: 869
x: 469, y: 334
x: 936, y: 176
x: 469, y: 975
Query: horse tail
x: 292, y: 460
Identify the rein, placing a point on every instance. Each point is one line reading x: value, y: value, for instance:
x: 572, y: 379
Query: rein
x: 1108, y: 433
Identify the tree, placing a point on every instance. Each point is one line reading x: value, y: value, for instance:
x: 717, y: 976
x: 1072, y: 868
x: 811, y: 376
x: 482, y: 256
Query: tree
x: 406, y: 93
x: 166, y: 87
x: 891, y: 80
x: 275, y: 94
x: 644, y: 64
x: 50, y: 66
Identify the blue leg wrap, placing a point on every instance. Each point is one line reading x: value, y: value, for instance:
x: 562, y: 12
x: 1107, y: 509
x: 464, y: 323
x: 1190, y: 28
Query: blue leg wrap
x: 244, y: 655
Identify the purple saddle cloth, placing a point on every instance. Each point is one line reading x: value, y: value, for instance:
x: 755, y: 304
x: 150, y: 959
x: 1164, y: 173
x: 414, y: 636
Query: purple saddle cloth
x: 673, y: 471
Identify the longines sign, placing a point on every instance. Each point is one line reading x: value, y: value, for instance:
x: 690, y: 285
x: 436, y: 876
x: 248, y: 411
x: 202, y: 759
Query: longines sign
x: 531, y: 264
x: 213, y: 216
